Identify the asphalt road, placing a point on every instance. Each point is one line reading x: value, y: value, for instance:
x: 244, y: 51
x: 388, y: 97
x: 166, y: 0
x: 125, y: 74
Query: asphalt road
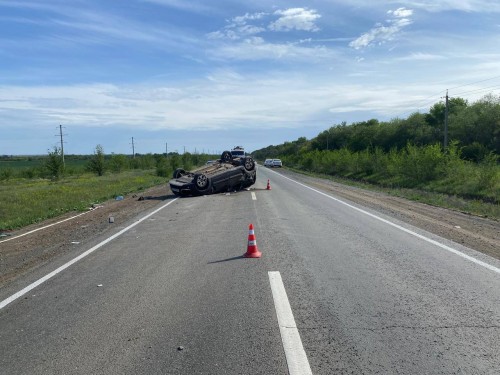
x: 173, y: 295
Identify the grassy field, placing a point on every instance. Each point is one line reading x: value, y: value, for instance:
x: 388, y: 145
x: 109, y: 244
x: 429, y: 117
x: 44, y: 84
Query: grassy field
x: 28, y: 201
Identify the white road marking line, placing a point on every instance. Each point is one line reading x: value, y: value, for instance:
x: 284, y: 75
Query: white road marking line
x: 296, y: 357
x: 22, y: 292
x: 47, y: 226
x: 254, y: 197
x: 443, y: 246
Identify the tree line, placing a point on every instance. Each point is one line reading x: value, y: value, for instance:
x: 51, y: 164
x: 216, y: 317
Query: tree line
x: 410, y: 152
x: 53, y: 166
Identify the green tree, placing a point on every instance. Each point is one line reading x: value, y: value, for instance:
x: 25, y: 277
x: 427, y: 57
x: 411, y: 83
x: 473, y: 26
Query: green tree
x: 96, y: 163
x: 54, y: 163
x: 118, y: 163
x: 436, y: 114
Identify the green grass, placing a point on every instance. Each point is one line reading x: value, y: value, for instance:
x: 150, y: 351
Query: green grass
x: 28, y: 201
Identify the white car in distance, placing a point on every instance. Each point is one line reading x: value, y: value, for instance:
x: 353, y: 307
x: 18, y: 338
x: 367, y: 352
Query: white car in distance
x: 277, y: 163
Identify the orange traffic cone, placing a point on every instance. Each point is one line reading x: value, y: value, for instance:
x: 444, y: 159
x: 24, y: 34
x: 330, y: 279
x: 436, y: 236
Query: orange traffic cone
x: 268, y: 185
x: 252, y: 249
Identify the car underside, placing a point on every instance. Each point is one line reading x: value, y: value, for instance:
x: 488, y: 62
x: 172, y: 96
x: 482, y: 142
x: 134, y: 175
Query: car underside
x: 225, y: 174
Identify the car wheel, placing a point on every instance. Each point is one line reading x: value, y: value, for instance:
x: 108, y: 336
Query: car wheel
x: 202, y: 183
x: 179, y: 172
x: 249, y: 164
x: 226, y: 157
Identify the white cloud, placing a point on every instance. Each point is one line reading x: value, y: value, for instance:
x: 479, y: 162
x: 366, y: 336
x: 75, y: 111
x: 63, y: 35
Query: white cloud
x: 422, y: 57
x: 256, y: 48
x: 382, y: 33
x: 295, y: 19
x: 242, y: 20
x: 239, y: 27
x: 401, y: 12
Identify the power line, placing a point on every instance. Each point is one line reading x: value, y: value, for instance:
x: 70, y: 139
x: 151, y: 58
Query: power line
x: 473, y: 83
x: 436, y: 96
x: 478, y: 90
x: 425, y: 102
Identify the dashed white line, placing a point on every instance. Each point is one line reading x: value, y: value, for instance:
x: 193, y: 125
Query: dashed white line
x: 295, y: 354
x: 442, y: 246
x: 22, y: 292
x: 254, y: 197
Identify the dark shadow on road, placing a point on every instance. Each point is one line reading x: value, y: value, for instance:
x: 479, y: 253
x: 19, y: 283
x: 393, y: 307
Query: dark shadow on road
x: 158, y: 198
x: 227, y: 260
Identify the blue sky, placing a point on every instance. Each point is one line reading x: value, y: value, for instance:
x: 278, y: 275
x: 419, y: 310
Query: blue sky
x: 203, y: 76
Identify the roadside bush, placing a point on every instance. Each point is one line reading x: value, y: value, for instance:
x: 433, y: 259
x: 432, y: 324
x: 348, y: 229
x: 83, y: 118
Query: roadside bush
x: 118, y: 163
x: 54, y: 164
x: 30, y: 173
x: 174, y: 161
x: 422, y: 164
x: 488, y: 172
x: 163, y: 168
x: 6, y: 174
x: 475, y: 152
x: 96, y: 163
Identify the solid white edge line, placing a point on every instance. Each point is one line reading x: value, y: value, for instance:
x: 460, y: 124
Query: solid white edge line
x: 295, y: 354
x: 22, y: 292
x: 443, y: 246
x: 46, y: 226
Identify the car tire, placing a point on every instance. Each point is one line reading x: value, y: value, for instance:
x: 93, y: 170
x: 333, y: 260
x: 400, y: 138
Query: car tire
x: 202, y: 183
x: 249, y: 164
x: 179, y: 172
x: 226, y: 157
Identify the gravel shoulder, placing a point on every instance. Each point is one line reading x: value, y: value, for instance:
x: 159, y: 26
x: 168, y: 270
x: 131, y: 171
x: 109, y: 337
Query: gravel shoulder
x: 21, y: 255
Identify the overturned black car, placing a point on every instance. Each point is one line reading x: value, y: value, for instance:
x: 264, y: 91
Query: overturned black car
x: 225, y: 174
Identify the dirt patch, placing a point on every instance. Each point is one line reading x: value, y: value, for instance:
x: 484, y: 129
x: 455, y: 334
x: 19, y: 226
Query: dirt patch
x: 21, y: 255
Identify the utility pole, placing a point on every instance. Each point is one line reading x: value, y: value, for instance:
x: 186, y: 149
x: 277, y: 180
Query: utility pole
x: 62, y: 143
x: 166, y: 149
x: 328, y: 139
x: 446, y: 122
x: 133, y: 148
